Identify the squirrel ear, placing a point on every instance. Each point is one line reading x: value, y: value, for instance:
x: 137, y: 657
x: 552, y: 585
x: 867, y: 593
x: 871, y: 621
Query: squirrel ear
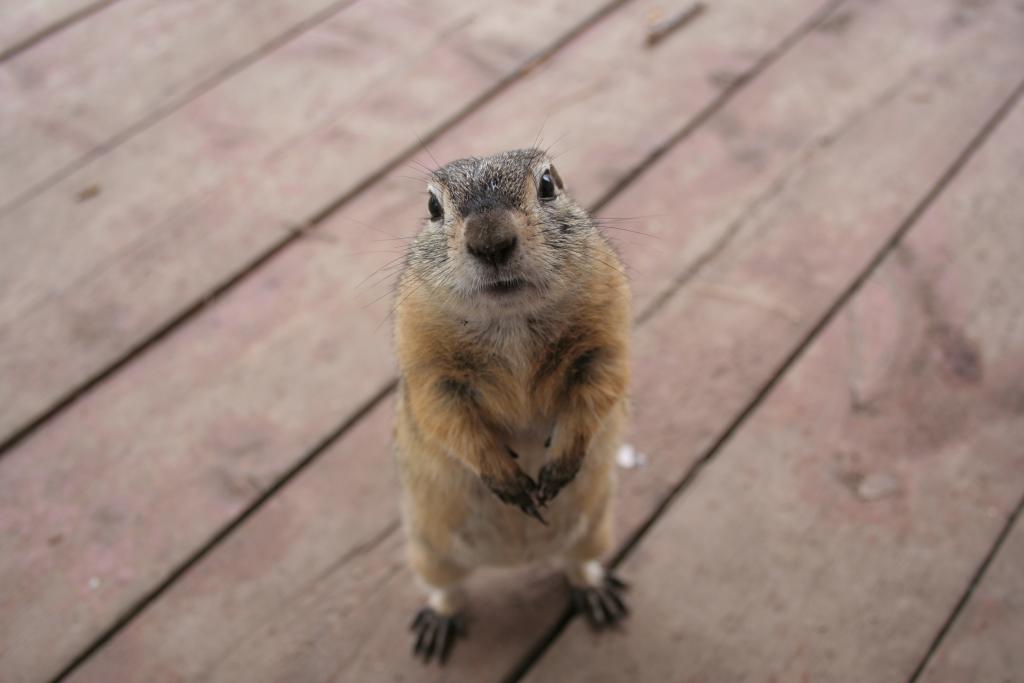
x: 557, y: 178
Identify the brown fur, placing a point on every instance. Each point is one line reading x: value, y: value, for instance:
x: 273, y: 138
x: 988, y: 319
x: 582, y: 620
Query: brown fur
x: 483, y: 378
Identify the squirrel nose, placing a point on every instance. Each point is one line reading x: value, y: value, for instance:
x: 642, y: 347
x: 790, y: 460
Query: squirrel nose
x: 495, y: 253
x: 490, y: 238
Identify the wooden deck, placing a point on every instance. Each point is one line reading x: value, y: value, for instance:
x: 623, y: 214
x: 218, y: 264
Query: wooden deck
x: 819, y: 202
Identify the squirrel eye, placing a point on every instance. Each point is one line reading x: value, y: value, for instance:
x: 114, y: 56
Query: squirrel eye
x: 546, y: 186
x: 434, y: 207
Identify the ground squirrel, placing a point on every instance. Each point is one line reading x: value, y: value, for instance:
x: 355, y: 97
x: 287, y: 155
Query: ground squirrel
x: 511, y: 328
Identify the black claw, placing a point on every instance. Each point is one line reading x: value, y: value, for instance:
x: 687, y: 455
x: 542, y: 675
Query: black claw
x: 520, y: 493
x: 553, y: 477
x: 616, y: 583
x: 595, y: 609
x: 420, y: 646
x: 579, y: 600
x: 445, y: 638
x: 418, y: 619
x: 435, y: 634
x: 620, y: 607
x: 530, y: 509
x: 602, y: 606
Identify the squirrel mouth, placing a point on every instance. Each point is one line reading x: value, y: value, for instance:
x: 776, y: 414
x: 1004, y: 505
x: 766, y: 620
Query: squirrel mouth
x: 502, y: 287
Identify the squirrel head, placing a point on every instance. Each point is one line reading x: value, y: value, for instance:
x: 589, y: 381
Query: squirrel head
x: 502, y: 237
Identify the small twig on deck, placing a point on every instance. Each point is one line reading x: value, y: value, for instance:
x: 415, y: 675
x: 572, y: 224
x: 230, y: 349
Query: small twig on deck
x: 658, y: 32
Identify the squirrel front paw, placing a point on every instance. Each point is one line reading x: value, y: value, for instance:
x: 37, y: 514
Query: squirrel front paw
x: 516, y: 488
x: 554, y: 476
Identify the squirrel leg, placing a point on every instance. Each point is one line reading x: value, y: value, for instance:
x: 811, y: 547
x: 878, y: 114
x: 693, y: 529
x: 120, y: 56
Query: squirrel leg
x: 440, y: 622
x: 596, y: 593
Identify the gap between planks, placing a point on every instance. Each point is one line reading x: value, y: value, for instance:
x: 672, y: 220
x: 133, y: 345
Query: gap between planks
x: 965, y: 598
x: 42, y: 34
x: 950, y: 174
x: 716, y: 104
x: 298, y: 232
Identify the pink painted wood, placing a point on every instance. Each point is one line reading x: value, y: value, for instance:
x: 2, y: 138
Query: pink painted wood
x: 327, y: 604
x: 264, y: 377
x: 78, y: 94
x: 28, y: 19
x: 984, y: 643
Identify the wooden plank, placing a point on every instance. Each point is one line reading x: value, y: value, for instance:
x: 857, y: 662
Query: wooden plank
x: 984, y: 642
x: 334, y: 605
x: 83, y: 91
x: 263, y: 374
x: 838, y: 528
x: 111, y: 254
x: 24, y: 23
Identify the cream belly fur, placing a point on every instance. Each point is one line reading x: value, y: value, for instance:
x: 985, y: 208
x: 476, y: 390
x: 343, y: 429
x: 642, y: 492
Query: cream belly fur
x: 486, y: 532
x: 496, y: 535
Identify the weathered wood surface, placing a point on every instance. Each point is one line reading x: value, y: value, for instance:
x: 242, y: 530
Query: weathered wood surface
x: 837, y: 529
x: 134, y: 238
x: 338, y: 605
x: 77, y: 95
x: 256, y: 375
x: 984, y: 643
x: 25, y: 21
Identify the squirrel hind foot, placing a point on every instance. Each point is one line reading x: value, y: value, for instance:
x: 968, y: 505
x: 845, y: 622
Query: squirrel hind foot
x: 436, y: 634
x: 602, y: 605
